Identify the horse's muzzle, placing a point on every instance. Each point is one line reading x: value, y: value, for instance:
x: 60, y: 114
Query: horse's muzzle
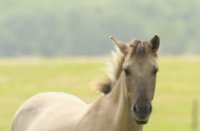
x: 142, y: 112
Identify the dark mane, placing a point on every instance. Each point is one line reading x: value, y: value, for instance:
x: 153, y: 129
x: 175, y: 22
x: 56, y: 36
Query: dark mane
x: 139, y: 47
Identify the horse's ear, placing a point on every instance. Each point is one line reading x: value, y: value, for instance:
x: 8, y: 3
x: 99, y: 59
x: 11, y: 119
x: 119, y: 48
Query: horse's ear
x: 155, y: 43
x: 121, y: 45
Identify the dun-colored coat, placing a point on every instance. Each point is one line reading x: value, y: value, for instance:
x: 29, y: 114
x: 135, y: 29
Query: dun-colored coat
x: 126, y: 105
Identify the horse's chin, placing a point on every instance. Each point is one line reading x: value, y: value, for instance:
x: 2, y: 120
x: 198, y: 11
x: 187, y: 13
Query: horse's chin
x: 141, y: 122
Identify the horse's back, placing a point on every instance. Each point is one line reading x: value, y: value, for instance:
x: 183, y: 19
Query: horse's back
x: 48, y: 111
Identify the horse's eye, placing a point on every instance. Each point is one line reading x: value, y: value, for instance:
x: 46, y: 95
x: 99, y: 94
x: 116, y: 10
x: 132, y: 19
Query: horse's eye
x: 154, y: 71
x: 127, y: 71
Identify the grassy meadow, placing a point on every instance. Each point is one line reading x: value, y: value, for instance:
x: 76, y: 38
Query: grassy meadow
x: 178, y: 85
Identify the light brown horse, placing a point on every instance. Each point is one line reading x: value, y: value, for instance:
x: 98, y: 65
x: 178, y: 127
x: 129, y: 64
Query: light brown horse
x: 126, y: 105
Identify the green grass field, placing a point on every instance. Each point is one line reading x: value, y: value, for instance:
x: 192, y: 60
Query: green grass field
x: 177, y: 86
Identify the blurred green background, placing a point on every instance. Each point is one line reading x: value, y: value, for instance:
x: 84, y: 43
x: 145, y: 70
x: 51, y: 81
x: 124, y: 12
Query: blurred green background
x: 74, y: 27
x: 46, y: 45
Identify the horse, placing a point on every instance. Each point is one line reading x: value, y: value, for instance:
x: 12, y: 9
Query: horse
x: 124, y: 106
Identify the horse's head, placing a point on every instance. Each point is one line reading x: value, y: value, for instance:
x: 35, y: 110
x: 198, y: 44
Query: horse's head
x: 139, y: 70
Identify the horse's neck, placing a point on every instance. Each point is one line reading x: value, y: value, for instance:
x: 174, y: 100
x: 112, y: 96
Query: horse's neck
x: 114, y: 110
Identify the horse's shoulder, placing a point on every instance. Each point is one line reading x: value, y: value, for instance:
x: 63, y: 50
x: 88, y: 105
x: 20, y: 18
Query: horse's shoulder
x: 45, y: 100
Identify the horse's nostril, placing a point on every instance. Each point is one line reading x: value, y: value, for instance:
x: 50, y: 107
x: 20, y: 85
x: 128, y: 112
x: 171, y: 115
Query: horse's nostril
x: 150, y: 108
x: 135, y: 108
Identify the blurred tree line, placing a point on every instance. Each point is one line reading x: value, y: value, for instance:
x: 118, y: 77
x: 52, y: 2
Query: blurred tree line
x: 78, y: 27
